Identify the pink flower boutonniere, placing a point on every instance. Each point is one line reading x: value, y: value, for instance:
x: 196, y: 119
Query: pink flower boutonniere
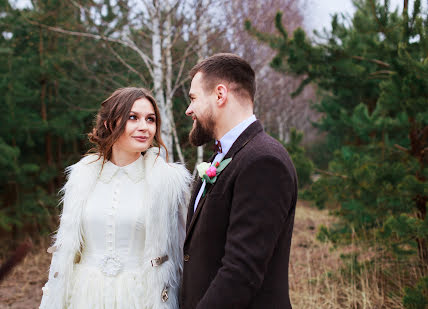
x: 210, y: 173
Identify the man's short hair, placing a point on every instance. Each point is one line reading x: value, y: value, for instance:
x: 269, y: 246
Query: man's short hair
x: 229, y: 68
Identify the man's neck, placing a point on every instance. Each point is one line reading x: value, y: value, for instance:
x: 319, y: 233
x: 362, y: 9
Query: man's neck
x: 227, y: 123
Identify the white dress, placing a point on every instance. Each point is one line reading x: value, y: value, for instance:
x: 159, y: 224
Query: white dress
x: 109, y: 273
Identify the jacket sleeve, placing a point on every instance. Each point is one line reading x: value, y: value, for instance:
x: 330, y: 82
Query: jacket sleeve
x: 262, y: 196
x: 66, y: 246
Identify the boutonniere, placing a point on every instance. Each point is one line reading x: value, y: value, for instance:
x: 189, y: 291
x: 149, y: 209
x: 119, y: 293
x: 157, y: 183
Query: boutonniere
x: 209, y: 172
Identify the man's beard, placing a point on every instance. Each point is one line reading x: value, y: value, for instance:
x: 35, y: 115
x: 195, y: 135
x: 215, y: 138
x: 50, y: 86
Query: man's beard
x: 202, y: 133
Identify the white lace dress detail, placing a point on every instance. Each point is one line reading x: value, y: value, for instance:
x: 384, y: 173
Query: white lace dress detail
x: 109, y: 274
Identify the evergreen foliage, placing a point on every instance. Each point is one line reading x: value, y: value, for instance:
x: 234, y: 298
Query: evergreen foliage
x: 373, y: 74
x: 304, y: 166
x: 51, y: 86
x: 416, y: 298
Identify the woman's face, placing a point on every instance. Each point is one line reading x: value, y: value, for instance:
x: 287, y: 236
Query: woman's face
x: 140, y: 128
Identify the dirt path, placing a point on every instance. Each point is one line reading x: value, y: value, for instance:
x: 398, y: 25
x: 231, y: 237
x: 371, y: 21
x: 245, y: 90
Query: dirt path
x: 22, y: 289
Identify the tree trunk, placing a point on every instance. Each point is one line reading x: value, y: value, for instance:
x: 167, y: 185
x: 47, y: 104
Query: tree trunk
x: 281, y: 132
x: 168, y: 81
x: 44, y: 113
x: 202, y: 54
x: 158, y: 78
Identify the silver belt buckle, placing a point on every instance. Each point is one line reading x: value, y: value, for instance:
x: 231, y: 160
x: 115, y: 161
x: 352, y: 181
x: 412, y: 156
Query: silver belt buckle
x: 159, y: 260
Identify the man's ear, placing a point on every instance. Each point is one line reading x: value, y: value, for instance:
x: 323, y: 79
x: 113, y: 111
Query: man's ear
x: 221, y: 93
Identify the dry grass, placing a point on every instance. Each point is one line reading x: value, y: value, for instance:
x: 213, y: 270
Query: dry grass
x: 22, y: 288
x: 315, y: 277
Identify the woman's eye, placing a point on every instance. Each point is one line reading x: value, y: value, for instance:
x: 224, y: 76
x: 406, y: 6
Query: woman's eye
x: 151, y: 119
x: 133, y: 117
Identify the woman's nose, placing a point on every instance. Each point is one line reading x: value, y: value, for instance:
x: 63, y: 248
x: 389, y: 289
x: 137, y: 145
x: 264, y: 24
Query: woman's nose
x: 142, y: 125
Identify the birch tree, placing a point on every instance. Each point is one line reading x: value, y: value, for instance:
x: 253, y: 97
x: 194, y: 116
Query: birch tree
x: 202, y: 29
x: 274, y: 105
x: 146, y: 28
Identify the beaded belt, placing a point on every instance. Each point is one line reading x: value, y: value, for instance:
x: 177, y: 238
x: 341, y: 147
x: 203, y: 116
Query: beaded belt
x: 111, y: 265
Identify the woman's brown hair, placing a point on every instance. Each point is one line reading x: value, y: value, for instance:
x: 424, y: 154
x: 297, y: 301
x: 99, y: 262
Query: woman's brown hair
x: 109, y: 125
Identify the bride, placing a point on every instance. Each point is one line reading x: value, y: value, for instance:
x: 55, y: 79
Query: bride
x: 119, y: 242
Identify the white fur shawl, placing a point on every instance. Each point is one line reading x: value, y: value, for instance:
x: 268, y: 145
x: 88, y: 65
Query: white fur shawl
x: 167, y: 188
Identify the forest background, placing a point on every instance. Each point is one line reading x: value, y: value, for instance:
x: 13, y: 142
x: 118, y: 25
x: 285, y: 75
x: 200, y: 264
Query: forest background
x: 349, y: 103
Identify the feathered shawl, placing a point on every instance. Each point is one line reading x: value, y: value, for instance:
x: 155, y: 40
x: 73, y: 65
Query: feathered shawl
x: 166, y: 189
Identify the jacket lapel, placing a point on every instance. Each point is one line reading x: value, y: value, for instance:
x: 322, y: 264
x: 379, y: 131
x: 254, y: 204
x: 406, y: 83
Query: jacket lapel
x: 197, y: 186
x: 242, y: 140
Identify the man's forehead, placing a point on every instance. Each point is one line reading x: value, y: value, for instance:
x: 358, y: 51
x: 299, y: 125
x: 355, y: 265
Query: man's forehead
x: 196, y: 83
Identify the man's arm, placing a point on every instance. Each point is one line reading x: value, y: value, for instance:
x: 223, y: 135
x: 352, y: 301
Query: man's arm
x: 262, y: 196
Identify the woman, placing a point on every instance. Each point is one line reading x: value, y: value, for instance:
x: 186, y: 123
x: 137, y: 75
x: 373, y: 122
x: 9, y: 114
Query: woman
x: 119, y: 243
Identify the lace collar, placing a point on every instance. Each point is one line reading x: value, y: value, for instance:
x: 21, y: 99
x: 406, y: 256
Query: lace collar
x: 134, y: 170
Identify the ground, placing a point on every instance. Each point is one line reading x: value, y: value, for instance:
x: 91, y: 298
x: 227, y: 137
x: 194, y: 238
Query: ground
x: 311, y: 266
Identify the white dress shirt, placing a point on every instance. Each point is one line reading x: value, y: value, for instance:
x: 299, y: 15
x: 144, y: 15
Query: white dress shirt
x: 226, y: 143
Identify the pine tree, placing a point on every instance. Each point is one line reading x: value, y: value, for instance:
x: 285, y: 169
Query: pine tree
x: 373, y: 74
x: 304, y: 166
x: 52, y: 86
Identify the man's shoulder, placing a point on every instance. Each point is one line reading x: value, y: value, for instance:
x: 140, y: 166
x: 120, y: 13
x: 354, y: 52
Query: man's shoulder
x: 265, y: 148
x: 264, y: 145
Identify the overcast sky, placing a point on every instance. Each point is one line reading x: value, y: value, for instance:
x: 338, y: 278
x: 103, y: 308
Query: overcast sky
x: 318, y: 14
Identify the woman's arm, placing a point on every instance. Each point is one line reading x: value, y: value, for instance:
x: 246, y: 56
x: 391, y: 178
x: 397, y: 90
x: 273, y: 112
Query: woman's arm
x: 66, y: 243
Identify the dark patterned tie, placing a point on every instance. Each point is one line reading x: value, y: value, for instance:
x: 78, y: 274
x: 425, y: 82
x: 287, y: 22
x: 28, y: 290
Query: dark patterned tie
x: 217, y: 147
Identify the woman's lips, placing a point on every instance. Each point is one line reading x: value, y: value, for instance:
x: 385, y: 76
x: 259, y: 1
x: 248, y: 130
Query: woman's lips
x: 140, y: 138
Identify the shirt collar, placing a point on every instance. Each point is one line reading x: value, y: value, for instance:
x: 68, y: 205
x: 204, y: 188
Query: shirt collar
x: 231, y: 136
x: 134, y: 170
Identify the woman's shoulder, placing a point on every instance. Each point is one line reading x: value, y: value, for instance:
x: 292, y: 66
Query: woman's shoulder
x: 89, y: 164
x: 168, y: 171
x: 89, y: 159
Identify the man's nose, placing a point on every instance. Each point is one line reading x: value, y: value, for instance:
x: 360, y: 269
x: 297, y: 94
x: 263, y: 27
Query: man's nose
x: 189, y: 111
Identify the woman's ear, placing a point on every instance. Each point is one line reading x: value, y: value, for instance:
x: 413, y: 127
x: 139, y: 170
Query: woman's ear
x: 105, y: 124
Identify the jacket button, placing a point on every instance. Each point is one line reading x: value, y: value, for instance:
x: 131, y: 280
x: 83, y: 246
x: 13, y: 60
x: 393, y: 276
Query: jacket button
x: 186, y: 258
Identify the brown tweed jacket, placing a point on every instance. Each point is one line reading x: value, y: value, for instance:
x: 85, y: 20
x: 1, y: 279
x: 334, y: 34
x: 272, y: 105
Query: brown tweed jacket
x: 237, y: 242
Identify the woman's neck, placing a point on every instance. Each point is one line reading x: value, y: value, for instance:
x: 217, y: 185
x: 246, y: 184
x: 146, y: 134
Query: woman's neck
x: 123, y: 158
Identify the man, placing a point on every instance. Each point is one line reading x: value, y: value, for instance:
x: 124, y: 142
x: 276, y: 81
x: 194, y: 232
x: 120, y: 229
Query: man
x: 239, y: 228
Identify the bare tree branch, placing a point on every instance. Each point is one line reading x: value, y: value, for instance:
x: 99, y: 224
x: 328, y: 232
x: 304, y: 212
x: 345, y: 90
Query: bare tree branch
x: 330, y: 173
x: 401, y: 148
x: 129, y: 43
x: 381, y: 63
x: 127, y: 64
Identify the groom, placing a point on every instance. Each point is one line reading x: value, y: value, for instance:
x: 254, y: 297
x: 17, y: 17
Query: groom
x: 239, y: 228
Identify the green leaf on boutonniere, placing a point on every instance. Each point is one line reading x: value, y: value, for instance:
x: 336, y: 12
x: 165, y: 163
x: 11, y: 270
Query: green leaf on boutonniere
x: 209, y: 180
x: 223, y: 165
